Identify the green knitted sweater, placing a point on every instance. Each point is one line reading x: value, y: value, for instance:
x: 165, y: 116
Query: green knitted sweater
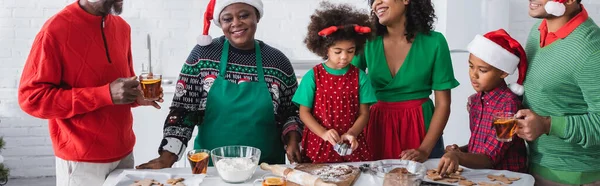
x: 563, y: 82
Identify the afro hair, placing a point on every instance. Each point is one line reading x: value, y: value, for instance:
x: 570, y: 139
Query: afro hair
x: 337, y: 15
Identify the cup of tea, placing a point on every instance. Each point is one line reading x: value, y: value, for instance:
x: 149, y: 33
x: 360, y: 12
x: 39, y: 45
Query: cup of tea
x: 271, y: 180
x: 151, y: 85
x: 504, y: 124
x: 198, y: 160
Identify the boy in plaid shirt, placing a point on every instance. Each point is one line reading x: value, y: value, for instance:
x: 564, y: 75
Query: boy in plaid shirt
x: 493, y: 57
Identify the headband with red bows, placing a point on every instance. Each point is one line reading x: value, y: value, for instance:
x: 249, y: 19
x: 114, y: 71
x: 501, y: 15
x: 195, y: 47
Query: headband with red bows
x: 330, y: 30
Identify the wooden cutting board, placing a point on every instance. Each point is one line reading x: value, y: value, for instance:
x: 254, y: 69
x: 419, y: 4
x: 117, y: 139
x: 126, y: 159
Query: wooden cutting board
x: 347, y: 178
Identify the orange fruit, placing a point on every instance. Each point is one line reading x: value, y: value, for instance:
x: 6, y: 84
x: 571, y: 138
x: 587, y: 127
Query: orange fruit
x: 273, y: 181
x: 198, y: 156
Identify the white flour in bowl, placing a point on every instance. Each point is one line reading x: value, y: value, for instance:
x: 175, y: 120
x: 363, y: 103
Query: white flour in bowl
x: 236, y: 169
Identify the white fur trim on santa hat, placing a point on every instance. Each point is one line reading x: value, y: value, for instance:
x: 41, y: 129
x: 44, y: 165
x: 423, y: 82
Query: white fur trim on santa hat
x: 517, y: 89
x: 204, y: 40
x: 555, y: 8
x: 221, y: 4
x: 493, y: 54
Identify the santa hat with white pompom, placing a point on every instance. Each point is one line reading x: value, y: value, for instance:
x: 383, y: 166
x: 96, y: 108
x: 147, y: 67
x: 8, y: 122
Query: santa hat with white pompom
x: 213, y: 11
x: 555, y: 7
x: 500, y: 50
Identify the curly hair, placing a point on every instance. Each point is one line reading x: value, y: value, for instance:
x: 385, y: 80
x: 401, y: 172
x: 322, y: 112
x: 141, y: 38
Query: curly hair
x: 336, y: 15
x: 420, y: 17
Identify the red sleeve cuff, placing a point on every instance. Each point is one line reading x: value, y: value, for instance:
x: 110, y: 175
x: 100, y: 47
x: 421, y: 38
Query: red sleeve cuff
x: 104, y: 96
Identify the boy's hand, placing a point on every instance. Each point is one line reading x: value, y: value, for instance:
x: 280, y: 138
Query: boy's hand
x: 453, y: 147
x: 350, y: 138
x: 449, y: 163
x: 331, y: 136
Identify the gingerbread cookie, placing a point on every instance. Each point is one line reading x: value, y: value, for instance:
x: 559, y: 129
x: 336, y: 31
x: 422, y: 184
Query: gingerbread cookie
x: 502, y: 178
x: 490, y: 184
x: 455, y: 177
x: 449, y: 180
x: 466, y: 183
x: 174, y: 181
x: 146, y: 182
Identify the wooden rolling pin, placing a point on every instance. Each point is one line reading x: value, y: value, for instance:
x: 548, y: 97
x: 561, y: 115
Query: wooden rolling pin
x: 296, y: 176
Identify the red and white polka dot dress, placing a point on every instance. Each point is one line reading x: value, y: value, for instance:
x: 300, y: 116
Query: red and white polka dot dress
x: 336, y: 106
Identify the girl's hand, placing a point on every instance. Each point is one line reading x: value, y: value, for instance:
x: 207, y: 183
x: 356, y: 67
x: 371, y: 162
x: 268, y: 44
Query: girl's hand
x: 350, y: 138
x: 414, y: 155
x: 331, y: 136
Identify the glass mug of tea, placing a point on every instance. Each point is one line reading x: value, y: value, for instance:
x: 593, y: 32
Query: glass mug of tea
x: 151, y: 85
x: 198, y: 160
x: 504, y: 123
x: 271, y: 180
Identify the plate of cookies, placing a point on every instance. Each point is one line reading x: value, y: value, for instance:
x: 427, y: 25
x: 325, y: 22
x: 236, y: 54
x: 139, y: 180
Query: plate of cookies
x: 482, y: 177
x: 149, y: 178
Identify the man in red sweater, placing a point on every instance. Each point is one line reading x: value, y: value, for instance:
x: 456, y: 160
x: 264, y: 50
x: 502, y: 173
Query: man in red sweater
x: 79, y: 76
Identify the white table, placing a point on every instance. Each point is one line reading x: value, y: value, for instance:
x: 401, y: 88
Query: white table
x: 213, y: 178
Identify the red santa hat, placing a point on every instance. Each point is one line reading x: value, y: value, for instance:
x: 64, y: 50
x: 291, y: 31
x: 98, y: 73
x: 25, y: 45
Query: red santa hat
x: 555, y: 7
x: 500, y: 50
x: 213, y: 11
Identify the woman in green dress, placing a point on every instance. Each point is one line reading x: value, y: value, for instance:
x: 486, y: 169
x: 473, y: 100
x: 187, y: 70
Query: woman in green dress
x: 236, y: 89
x: 406, y: 62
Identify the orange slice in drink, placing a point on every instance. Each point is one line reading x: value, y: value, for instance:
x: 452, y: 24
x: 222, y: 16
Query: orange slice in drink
x: 150, y: 81
x: 504, y: 121
x: 198, y: 156
x: 273, y: 181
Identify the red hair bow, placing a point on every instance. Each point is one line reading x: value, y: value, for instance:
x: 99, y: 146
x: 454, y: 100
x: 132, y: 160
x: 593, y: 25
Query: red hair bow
x: 330, y: 30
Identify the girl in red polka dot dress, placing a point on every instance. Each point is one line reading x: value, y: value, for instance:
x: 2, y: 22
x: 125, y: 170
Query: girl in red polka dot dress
x: 334, y: 96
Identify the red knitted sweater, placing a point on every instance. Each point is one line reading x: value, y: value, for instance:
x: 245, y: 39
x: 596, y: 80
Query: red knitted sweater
x: 66, y: 78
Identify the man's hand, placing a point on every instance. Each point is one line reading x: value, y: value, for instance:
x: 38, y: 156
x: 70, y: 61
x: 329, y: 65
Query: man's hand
x: 147, y: 102
x: 530, y: 125
x: 292, y: 149
x: 449, y: 163
x: 124, y: 90
x: 165, y: 160
x: 331, y: 136
x: 417, y: 155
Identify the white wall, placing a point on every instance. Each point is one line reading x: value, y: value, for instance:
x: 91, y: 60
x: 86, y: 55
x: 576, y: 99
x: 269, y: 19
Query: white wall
x: 174, y: 24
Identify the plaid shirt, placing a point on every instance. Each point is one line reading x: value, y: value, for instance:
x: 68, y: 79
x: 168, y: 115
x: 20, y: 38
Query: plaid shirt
x: 510, y: 156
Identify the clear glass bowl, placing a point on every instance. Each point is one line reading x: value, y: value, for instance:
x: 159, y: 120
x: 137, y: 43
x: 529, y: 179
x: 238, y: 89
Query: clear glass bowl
x: 235, y: 164
x: 417, y: 172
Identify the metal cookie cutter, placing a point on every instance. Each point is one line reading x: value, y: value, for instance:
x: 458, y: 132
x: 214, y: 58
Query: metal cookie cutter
x: 342, y: 149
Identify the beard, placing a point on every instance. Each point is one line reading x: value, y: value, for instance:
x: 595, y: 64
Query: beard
x: 114, y: 7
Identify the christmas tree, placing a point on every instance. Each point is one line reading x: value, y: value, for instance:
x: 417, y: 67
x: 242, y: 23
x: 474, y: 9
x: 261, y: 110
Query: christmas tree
x: 3, y: 170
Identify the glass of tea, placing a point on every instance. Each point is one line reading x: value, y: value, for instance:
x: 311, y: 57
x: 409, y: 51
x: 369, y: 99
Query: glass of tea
x: 271, y: 180
x: 505, y: 124
x: 151, y: 85
x: 198, y: 160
